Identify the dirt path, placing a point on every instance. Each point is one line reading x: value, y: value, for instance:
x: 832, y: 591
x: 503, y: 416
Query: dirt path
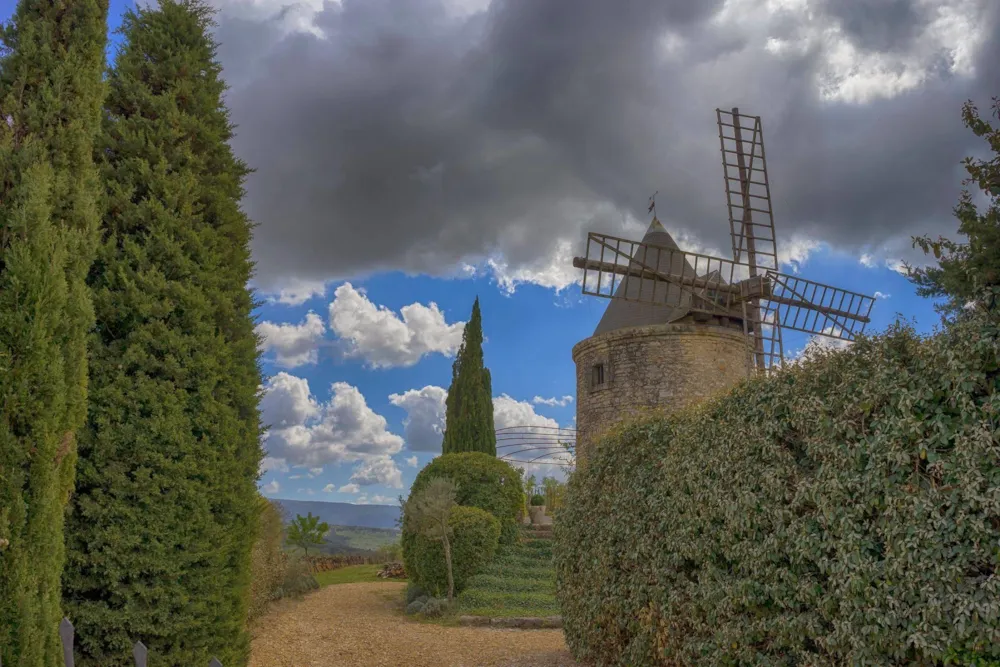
x: 362, y: 625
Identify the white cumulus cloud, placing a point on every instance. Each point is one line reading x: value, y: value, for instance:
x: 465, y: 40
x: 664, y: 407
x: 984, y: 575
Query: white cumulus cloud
x: 297, y: 291
x: 346, y: 488
x: 306, y: 433
x: 384, y: 339
x: 271, y: 487
x: 380, y: 470
x: 423, y: 425
x: 412, y: 461
x: 293, y: 344
x: 553, y: 402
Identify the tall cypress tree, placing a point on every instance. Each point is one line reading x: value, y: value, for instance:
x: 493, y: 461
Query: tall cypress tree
x: 164, y: 516
x: 469, y: 406
x: 51, y: 68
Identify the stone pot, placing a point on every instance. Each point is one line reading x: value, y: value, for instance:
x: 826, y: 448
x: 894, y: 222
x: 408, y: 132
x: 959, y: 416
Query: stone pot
x: 537, y: 513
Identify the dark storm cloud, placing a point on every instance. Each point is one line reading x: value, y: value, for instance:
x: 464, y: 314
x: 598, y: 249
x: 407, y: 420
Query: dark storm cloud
x: 410, y: 138
x: 878, y: 25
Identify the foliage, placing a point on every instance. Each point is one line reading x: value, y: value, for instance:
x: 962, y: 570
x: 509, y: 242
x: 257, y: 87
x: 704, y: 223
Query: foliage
x: 51, y: 65
x: 537, y: 500
x: 268, y: 562
x: 469, y: 406
x: 529, y: 484
x: 428, y: 514
x: 306, y: 531
x: 164, y: 518
x: 483, y: 481
x: 555, y: 493
x: 966, y: 270
x: 835, y: 513
x: 413, y: 591
x: 475, y: 535
x: 298, y: 579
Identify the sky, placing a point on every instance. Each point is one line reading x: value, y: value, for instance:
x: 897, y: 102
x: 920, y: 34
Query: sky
x: 412, y: 155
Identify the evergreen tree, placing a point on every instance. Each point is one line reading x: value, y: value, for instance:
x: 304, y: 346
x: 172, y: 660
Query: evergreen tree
x: 165, y: 513
x: 969, y: 272
x: 469, y: 406
x: 51, y: 89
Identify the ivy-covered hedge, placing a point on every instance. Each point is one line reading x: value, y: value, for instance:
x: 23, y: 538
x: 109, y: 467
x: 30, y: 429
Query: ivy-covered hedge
x: 845, y: 511
x: 483, y: 481
x: 473, y: 545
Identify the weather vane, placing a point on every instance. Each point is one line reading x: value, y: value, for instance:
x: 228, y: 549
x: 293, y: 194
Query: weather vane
x: 652, y: 203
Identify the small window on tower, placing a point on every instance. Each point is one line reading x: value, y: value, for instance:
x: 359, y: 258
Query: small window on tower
x: 597, y: 376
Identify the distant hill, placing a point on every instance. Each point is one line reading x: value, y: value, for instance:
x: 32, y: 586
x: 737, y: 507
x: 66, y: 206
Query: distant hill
x: 342, y: 514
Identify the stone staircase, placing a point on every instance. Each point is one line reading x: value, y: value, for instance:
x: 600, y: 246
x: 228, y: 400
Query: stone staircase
x: 517, y: 590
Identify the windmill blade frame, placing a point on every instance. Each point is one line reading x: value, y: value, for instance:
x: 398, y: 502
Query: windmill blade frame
x: 746, y: 158
x: 783, y: 301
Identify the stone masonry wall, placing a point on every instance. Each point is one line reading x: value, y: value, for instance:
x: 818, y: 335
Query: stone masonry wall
x: 664, y: 366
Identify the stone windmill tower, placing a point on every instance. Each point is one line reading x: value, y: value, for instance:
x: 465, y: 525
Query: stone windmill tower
x: 681, y: 327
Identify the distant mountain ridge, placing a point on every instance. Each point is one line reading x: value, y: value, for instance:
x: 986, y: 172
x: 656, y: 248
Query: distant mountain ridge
x: 342, y: 514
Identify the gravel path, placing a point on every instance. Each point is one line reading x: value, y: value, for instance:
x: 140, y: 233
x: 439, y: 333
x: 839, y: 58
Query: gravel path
x: 362, y: 625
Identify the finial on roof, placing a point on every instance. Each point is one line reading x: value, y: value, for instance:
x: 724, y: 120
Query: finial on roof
x: 652, y: 204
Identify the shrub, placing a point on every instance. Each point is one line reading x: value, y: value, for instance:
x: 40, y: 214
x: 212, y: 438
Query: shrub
x: 413, y: 591
x: 268, y: 564
x: 537, y: 500
x: 483, y: 481
x: 298, y: 578
x: 473, y: 544
x: 837, y: 512
x: 435, y: 607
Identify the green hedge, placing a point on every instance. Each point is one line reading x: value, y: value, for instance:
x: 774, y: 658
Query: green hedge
x: 483, y: 481
x: 473, y: 545
x: 843, y: 511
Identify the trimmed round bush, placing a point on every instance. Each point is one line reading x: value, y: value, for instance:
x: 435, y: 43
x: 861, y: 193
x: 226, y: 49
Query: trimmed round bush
x: 537, y: 500
x: 483, y: 481
x: 473, y: 544
x: 844, y: 511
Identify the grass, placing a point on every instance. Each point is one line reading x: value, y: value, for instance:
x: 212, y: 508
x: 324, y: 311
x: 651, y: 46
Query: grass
x: 520, y: 581
x: 351, y: 574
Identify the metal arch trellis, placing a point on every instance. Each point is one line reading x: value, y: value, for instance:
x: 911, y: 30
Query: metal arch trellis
x: 538, y: 445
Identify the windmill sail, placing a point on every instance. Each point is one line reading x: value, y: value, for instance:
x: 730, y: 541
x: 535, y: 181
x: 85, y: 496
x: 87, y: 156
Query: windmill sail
x: 751, y: 220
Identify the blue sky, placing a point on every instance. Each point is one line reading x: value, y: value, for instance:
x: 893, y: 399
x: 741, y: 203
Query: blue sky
x: 412, y: 155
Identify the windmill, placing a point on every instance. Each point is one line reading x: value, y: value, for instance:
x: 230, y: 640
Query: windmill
x: 748, y: 290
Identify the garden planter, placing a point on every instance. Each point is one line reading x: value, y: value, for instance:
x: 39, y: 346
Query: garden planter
x: 537, y: 513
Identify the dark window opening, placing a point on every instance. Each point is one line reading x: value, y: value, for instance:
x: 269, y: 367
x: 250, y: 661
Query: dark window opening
x: 597, y: 375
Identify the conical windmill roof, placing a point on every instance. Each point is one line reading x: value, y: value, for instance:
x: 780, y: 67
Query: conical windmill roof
x: 622, y: 314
